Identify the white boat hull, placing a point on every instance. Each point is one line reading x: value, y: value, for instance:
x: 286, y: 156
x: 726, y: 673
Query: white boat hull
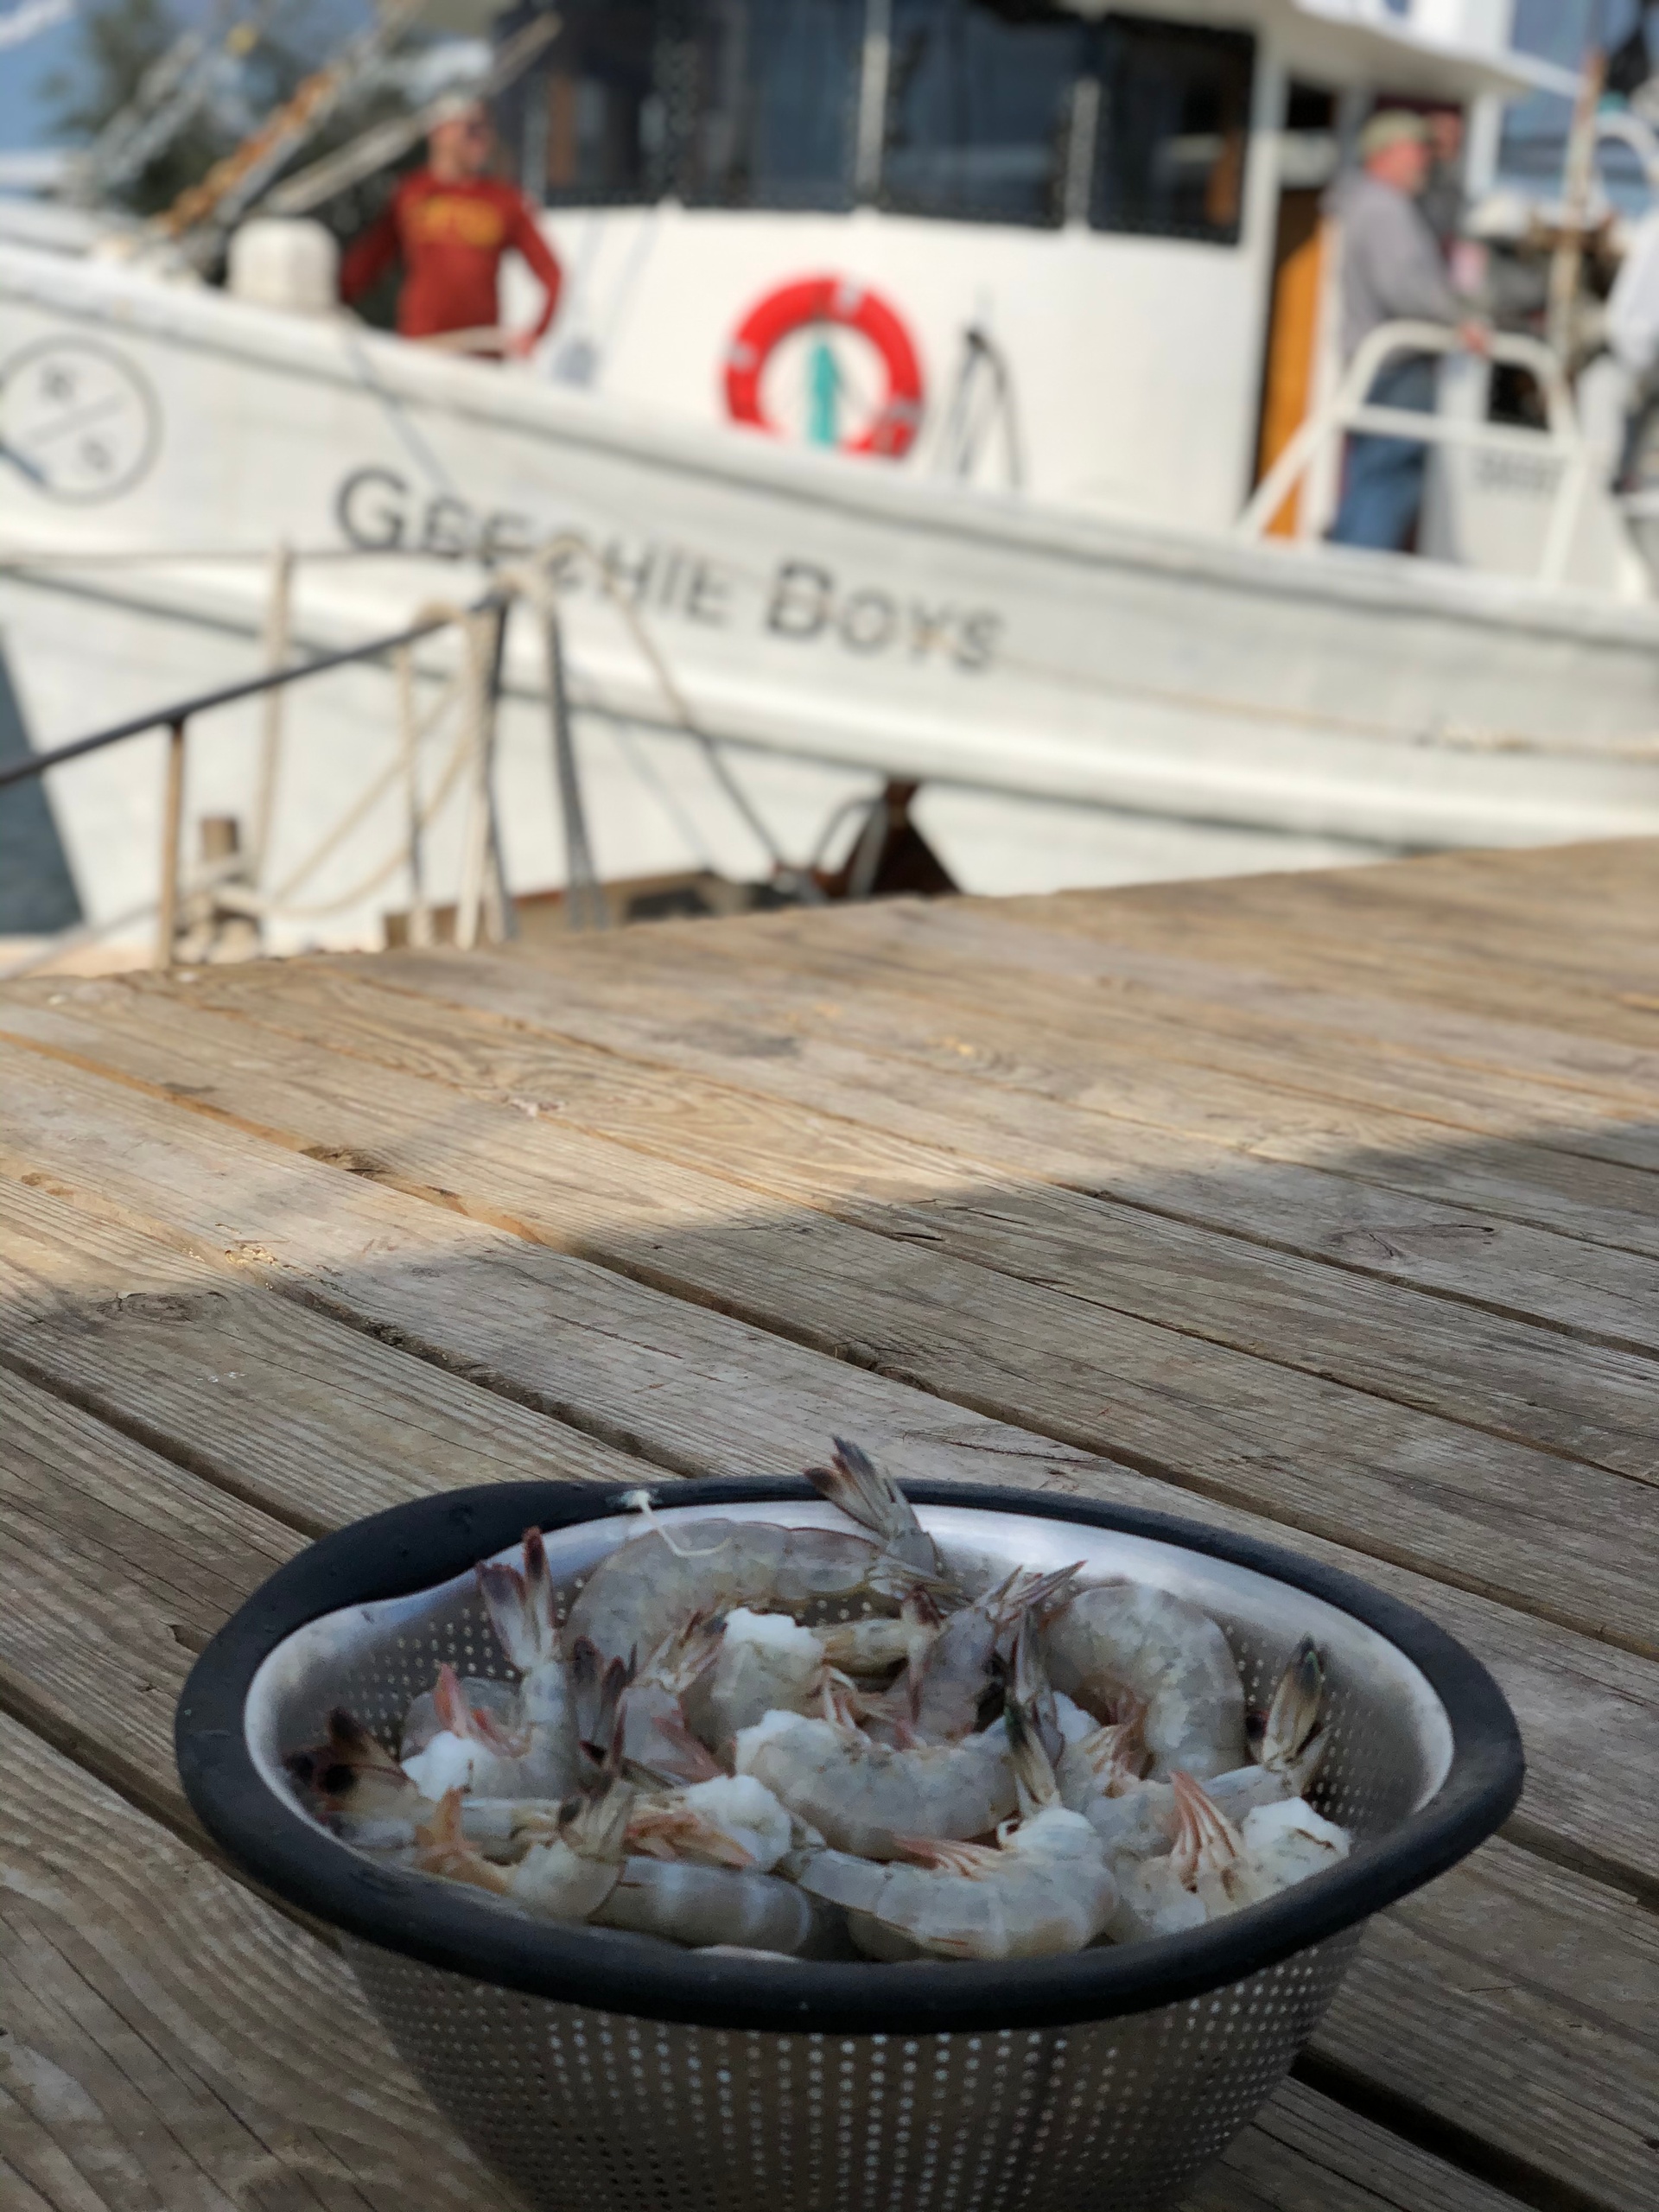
x: 832, y: 612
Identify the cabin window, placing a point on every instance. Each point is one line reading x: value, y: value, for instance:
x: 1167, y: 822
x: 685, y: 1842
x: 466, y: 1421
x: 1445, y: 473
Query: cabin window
x: 601, y: 123
x: 1025, y: 111
x: 762, y: 101
x: 979, y: 99
x: 721, y: 103
x: 1174, y: 126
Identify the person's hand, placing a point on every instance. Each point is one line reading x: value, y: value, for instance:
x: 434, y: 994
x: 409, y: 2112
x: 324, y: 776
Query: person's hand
x: 1475, y: 337
x: 522, y: 344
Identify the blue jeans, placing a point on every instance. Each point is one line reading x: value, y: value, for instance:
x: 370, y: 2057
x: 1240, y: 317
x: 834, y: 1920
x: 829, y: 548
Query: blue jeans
x: 1383, y: 484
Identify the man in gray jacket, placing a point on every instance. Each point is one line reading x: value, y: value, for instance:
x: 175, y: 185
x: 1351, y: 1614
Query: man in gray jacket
x: 1391, y: 272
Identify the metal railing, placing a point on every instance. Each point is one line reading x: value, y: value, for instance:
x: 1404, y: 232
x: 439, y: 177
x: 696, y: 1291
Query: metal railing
x: 483, y: 902
x: 1349, y: 410
x: 175, y: 719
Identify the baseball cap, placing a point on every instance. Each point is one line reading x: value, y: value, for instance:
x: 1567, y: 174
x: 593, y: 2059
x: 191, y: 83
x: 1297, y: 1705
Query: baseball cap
x: 1392, y: 126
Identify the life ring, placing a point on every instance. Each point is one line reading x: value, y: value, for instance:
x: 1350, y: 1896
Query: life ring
x: 830, y: 299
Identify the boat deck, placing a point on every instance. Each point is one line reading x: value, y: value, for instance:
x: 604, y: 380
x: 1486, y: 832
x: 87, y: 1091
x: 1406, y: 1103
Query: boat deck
x: 1323, y: 1207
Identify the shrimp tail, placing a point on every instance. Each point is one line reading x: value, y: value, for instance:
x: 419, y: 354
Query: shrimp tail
x: 865, y: 1492
x: 597, y: 1827
x: 449, y: 1703
x: 1203, y: 1835
x: 1117, y: 1754
x: 946, y: 1856
x: 663, y: 1829
x: 868, y: 1494
x: 520, y: 1605
x: 658, y: 1742
x: 441, y: 1848
x: 1042, y: 1595
x: 1288, y: 1739
x: 683, y: 1658
x: 597, y: 1695
x: 1033, y: 1773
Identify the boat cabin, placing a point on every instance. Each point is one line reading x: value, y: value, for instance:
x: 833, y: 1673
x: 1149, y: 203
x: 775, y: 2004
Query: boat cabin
x: 1051, y: 244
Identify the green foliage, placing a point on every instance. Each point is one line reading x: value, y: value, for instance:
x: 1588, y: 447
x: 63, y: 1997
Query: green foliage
x: 119, y: 40
x: 120, y: 43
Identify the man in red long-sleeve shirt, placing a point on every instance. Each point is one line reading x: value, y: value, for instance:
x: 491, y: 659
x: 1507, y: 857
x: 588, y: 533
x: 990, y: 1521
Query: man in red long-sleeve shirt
x: 449, y: 224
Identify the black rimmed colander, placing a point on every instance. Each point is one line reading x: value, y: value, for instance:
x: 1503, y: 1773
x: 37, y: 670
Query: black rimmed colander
x: 594, y: 2070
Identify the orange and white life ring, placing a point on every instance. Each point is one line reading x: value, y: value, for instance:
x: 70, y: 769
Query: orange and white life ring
x: 830, y: 299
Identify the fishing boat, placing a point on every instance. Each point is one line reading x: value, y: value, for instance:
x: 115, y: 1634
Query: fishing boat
x: 946, y: 386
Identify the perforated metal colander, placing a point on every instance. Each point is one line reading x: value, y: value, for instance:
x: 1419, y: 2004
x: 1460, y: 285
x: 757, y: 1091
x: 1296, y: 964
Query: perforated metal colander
x: 608, y: 2072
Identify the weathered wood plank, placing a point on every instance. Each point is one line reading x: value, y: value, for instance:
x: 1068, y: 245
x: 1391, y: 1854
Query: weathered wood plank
x: 1148, y: 1144
x: 1488, y: 1513
x: 921, y: 950
x: 1613, y: 1015
x: 697, y: 1392
x: 115, y: 1568
x: 170, y: 2044
x: 1577, y: 1398
x: 1306, y: 2154
x: 294, y: 1412
x: 1545, y: 1974
x: 1402, y: 2026
x: 1154, y: 949
x: 1050, y: 1038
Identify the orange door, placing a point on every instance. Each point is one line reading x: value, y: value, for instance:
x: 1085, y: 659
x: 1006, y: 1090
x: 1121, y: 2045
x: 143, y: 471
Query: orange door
x: 1293, y: 335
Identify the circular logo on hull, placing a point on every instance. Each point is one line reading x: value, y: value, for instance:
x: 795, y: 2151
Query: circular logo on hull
x: 815, y: 309
x: 77, y: 421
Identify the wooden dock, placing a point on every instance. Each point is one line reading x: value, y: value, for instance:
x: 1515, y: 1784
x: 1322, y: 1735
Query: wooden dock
x: 1324, y: 1206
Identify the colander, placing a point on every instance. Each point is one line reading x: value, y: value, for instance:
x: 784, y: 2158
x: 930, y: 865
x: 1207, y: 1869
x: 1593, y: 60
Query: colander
x: 603, y: 2072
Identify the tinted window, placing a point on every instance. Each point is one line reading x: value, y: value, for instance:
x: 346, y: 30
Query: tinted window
x: 762, y: 101
x: 1174, y: 127
x: 979, y: 100
x: 599, y: 124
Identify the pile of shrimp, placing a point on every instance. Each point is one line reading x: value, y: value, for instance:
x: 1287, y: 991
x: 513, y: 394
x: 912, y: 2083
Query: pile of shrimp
x: 1002, y: 1772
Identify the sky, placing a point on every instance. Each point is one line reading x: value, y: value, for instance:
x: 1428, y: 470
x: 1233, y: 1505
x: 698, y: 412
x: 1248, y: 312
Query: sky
x: 24, y: 121
x: 1555, y: 28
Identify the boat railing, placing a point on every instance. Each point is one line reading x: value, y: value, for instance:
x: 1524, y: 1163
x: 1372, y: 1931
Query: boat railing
x: 232, y: 883
x: 1350, y: 409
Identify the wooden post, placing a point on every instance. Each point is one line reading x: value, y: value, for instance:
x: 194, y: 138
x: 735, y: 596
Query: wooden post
x: 167, y: 911
x: 279, y: 622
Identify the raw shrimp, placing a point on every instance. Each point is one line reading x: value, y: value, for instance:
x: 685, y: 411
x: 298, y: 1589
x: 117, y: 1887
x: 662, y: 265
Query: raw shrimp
x: 475, y: 1747
x: 656, y: 1739
x: 647, y: 1587
x: 367, y: 1798
x: 568, y: 1877
x: 867, y: 1797
x: 1119, y: 1637
x: 1216, y: 1868
x: 874, y: 1646
x: 733, y: 1820
x: 1102, y: 1776
x: 1044, y: 1889
x: 766, y: 1663
x: 707, y: 1905
x: 945, y: 1688
x: 521, y: 1611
